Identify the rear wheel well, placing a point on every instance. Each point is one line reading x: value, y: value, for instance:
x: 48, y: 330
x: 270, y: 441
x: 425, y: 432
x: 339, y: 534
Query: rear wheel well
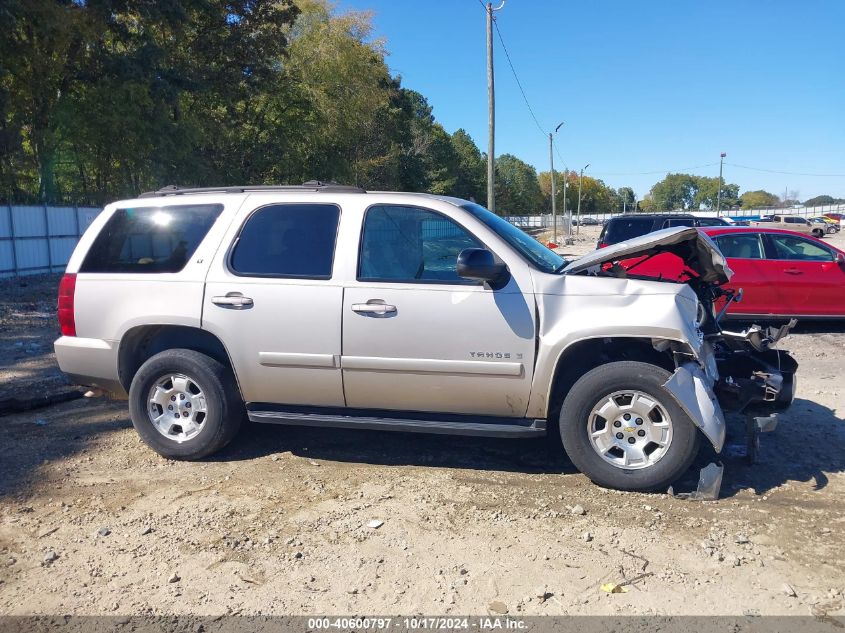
x: 583, y: 356
x: 142, y: 343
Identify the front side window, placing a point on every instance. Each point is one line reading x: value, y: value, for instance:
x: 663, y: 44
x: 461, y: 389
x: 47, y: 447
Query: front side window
x: 287, y: 240
x: 411, y: 244
x: 150, y: 239
x: 541, y: 257
x: 799, y: 249
x: 741, y: 246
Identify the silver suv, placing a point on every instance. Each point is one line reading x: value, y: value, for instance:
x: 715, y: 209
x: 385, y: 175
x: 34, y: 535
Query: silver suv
x: 323, y: 305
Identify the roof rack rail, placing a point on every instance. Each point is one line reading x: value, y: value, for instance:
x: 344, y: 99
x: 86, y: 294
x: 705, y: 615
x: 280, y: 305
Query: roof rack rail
x: 311, y: 185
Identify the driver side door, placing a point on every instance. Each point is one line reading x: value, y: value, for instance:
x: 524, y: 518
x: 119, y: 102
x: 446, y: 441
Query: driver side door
x: 417, y: 337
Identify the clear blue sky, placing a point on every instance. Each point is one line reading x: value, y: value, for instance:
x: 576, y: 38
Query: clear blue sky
x: 655, y: 85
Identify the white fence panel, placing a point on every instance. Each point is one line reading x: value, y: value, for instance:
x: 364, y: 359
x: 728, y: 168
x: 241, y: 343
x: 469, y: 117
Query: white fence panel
x: 7, y: 261
x: 32, y: 255
x: 29, y: 221
x: 62, y: 221
x: 39, y: 239
x: 61, y: 248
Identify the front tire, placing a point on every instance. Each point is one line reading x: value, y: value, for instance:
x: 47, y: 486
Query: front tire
x: 624, y: 430
x: 184, y: 404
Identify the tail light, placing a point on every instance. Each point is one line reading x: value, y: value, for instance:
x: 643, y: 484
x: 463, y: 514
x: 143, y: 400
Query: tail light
x: 67, y: 289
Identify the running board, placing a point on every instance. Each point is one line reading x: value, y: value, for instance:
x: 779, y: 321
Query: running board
x: 496, y: 427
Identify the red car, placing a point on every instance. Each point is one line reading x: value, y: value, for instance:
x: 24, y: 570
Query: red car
x: 781, y: 273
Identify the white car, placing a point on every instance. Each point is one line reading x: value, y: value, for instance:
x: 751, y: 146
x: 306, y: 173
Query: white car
x: 328, y: 306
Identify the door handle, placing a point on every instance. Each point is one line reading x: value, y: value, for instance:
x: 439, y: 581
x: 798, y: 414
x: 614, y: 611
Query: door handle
x: 375, y: 307
x: 793, y: 271
x: 234, y: 300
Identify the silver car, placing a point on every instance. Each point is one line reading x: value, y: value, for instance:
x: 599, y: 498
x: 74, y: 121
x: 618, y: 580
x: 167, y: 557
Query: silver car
x: 327, y: 306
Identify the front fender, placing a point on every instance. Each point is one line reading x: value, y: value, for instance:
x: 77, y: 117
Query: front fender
x: 599, y: 308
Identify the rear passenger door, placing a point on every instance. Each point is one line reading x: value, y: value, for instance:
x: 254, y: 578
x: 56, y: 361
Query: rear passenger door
x: 746, y: 257
x: 271, y: 297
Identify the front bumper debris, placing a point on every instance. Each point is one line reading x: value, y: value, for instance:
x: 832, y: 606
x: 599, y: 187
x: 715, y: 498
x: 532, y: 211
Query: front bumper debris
x: 691, y: 388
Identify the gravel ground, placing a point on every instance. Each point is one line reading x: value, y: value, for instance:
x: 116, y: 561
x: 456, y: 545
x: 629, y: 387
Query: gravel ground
x: 92, y: 522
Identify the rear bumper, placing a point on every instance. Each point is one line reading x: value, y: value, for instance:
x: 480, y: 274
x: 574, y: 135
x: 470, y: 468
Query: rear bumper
x: 90, y: 361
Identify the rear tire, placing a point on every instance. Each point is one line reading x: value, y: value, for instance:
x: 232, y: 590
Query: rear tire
x: 658, y: 440
x: 185, y: 405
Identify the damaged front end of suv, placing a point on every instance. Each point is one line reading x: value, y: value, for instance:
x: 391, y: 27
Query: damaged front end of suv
x: 723, y: 370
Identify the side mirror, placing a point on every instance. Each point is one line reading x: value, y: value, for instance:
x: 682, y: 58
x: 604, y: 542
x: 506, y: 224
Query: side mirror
x: 479, y: 264
x: 840, y: 259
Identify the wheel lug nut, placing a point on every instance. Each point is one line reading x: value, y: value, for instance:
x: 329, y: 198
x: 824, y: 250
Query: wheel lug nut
x: 181, y: 396
x: 631, y: 440
x: 627, y: 416
x: 617, y: 424
x: 173, y: 398
x: 170, y: 407
x: 619, y: 436
x: 175, y: 415
x: 184, y: 414
x: 639, y: 420
x: 187, y: 405
x: 641, y: 433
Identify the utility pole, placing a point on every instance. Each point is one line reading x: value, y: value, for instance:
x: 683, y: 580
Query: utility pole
x: 491, y: 111
x: 554, y: 202
x: 580, y: 179
x: 565, y: 212
x: 719, y: 194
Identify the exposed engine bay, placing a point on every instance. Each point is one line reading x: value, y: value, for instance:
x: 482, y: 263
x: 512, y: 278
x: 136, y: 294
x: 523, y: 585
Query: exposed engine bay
x: 737, y: 371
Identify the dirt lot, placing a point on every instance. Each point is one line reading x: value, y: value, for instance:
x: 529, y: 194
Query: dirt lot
x: 92, y: 522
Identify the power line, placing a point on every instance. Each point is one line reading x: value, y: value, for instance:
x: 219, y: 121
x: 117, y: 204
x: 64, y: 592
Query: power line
x: 656, y: 171
x: 788, y: 173
x: 515, y: 76
x: 560, y: 156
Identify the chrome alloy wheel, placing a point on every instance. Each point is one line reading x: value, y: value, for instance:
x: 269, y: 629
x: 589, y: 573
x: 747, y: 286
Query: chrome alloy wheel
x: 629, y: 429
x: 177, y: 408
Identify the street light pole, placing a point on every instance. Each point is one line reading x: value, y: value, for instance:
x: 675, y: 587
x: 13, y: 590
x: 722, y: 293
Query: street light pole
x: 554, y: 202
x: 491, y: 111
x: 580, y: 179
x: 719, y: 194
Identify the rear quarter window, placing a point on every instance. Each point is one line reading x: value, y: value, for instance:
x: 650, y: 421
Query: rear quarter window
x: 622, y: 229
x: 150, y: 239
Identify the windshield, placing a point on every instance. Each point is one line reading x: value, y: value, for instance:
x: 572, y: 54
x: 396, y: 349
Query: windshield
x: 537, y: 254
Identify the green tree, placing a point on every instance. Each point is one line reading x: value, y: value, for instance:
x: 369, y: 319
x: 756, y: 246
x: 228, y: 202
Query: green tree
x: 627, y: 196
x: 675, y: 191
x: 470, y: 176
x: 758, y: 199
x: 707, y: 192
x: 517, y: 189
x: 822, y: 200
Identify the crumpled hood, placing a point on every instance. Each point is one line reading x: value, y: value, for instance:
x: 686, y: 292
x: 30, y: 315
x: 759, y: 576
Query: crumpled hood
x: 699, y: 253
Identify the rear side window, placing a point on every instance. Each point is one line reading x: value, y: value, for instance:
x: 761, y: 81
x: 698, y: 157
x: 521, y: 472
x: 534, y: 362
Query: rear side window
x: 619, y: 230
x: 150, y: 239
x: 711, y: 222
x: 287, y: 240
x: 741, y: 246
x: 679, y: 222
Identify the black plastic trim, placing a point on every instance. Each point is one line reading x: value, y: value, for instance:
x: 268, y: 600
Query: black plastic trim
x: 311, y: 185
x: 383, y: 420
